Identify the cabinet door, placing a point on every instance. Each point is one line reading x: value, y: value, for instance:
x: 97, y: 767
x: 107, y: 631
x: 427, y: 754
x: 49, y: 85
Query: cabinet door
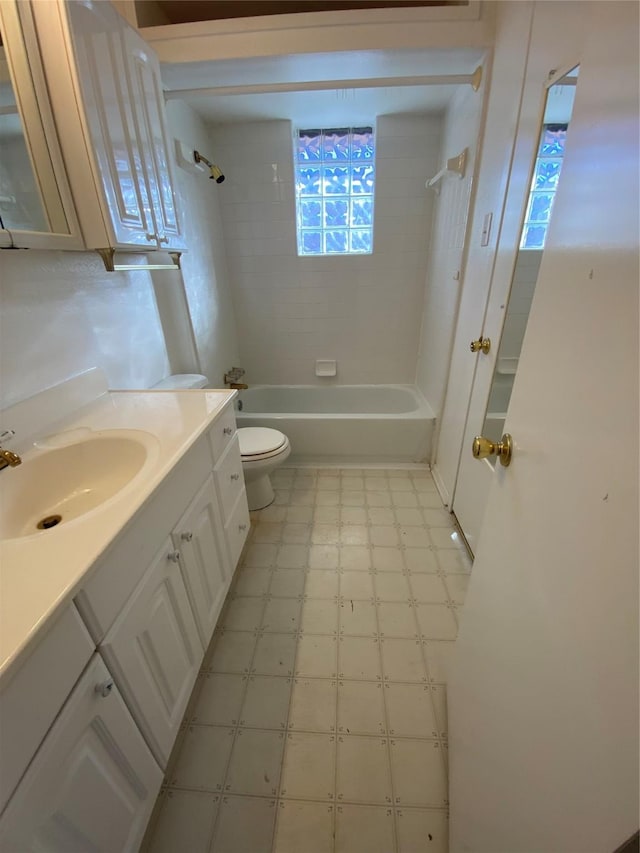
x: 154, y: 652
x: 100, y: 47
x: 145, y: 73
x: 92, y: 783
x: 199, y: 536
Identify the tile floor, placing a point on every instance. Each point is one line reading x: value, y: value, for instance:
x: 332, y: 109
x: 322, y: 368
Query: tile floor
x: 321, y: 720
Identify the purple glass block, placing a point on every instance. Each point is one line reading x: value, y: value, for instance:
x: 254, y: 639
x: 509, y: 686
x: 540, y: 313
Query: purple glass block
x: 310, y: 213
x: 336, y: 180
x: 336, y: 212
x: 540, y: 205
x: 362, y: 180
x: 335, y: 242
x: 547, y: 174
x: 335, y: 144
x: 308, y: 181
x: 308, y: 145
x: 362, y: 143
x: 310, y: 242
x: 534, y: 237
x: 361, y: 211
x: 553, y: 140
x: 360, y: 241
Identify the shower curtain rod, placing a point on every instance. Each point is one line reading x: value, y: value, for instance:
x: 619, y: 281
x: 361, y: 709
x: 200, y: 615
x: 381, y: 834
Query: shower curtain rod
x: 319, y: 85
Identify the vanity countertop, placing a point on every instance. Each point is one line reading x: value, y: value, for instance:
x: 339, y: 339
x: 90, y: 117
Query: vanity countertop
x: 42, y: 571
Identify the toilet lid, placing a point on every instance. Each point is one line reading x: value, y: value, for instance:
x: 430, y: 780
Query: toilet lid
x: 181, y: 382
x: 257, y: 440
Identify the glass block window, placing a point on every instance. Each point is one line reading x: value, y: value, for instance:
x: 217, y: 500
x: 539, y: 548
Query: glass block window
x: 335, y: 173
x: 543, y: 185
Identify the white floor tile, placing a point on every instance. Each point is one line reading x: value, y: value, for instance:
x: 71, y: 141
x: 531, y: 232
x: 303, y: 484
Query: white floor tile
x: 243, y: 614
x: 437, y: 517
x: 407, y: 499
x: 439, y: 695
x: 273, y: 513
x: 287, y: 583
x: 392, y: 586
x: 308, y: 770
x: 387, y: 559
x: 396, y: 619
x: 453, y: 561
x: 356, y: 585
x: 260, y: 556
x: 385, y: 536
x: 232, y: 652
x: 203, y: 758
x: 322, y: 584
x: 245, y: 825
x: 353, y: 515
x: 185, y: 822
x: 420, y: 560
x: 319, y: 617
x: 292, y: 557
x: 281, y: 616
x: 299, y: 514
x: 268, y: 532
x: 376, y: 484
x: 381, y: 516
x: 253, y: 582
x: 303, y: 497
x: 313, y: 705
x: 363, y: 770
x: 325, y: 534
x: 266, y: 703
x: 437, y: 622
x: 275, y: 654
x: 422, y: 829
x: 255, y: 763
x: 327, y: 498
x: 402, y: 660
x: 379, y: 498
x: 328, y: 482
x: 428, y: 588
x: 317, y: 657
x: 359, y: 658
x: 324, y: 556
x: 400, y: 484
x: 457, y: 586
x: 429, y: 500
x: 355, y: 558
x: 410, y: 710
x: 296, y: 534
x: 282, y: 497
x: 361, y: 708
x: 354, y: 534
x: 326, y: 515
x: 409, y: 516
x: 303, y: 828
x: 364, y: 829
x: 357, y: 618
x: 220, y: 699
x: 415, y: 537
x: 425, y: 484
x: 439, y: 654
x: 353, y: 484
x: 445, y: 537
x: 418, y: 773
x: 305, y: 480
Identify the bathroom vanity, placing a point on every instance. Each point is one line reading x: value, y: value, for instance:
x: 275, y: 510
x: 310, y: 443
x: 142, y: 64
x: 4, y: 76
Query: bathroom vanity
x: 105, y: 617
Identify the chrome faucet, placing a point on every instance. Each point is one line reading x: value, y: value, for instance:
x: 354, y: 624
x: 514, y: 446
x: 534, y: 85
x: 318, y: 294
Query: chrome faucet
x: 8, y: 458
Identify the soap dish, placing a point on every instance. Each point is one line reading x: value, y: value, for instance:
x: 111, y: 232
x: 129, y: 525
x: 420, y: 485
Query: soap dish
x: 326, y: 367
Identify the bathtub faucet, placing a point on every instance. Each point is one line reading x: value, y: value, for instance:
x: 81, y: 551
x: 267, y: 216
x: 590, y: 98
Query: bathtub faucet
x: 231, y: 379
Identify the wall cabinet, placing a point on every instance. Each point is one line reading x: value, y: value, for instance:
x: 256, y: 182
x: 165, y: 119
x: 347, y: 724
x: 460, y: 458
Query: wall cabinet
x: 106, y: 99
x: 150, y: 607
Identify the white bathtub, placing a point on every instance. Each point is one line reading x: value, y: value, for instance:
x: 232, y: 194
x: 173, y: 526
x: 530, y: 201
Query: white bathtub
x: 355, y: 423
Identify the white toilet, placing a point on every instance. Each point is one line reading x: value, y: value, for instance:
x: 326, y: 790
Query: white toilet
x: 181, y: 382
x: 262, y: 451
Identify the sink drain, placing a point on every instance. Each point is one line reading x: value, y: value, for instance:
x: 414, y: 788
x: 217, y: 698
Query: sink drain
x: 48, y: 522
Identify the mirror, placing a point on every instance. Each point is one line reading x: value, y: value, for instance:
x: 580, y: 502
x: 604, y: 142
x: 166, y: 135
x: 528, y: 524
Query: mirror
x: 538, y: 211
x: 21, y: 207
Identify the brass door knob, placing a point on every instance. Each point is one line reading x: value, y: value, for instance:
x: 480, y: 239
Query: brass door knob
x: 483, y: 344
x: 483, y: 447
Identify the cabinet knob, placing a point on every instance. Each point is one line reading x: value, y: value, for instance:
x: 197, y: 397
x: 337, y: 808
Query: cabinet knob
x: 105, y: 688
x: 150, y: 237
x: 242, y: 527
x: 174, y: 556
x: 227, y: 431
x: 163, y: 239
x: 235, y: 476
x: 187, y: 536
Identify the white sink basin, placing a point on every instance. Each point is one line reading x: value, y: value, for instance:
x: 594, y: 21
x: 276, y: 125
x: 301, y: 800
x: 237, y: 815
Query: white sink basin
x: 53, y: 487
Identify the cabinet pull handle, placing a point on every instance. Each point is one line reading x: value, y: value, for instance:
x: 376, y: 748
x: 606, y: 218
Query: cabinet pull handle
x: 187, y: 536
x: 149, y: 236
x: 105, y: 688
x: 174, y: 556
x: 235, y: 476
x: 163, y: 239
x: 227, y: 431
x: 242, y: 527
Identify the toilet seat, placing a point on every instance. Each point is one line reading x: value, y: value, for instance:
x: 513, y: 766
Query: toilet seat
x: 257, y: 443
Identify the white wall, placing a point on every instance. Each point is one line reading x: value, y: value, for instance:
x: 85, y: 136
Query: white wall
x: 443, y: 282
x: 363, y: 311
x: 61, y: 313
x: 204, y: 265
x: 525, y: 276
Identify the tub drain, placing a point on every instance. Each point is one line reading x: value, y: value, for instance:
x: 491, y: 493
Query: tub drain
x: 48, y: 522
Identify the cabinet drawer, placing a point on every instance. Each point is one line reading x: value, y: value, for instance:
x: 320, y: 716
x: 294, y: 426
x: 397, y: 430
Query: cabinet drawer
x: 229, y: 478
x: 33, y: 697
x: 237, y: 529
x: 222, y: 432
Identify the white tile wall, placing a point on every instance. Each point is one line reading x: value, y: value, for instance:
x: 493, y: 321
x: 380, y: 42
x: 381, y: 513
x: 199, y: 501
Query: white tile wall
x: 446, y: 259
x: 363, y: 311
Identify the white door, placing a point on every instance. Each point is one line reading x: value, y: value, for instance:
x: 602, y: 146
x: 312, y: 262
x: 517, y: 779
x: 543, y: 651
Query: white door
x: 154, y: 652
x: 199, y: 536
x: 92, y: 783
x: 543, y: 698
